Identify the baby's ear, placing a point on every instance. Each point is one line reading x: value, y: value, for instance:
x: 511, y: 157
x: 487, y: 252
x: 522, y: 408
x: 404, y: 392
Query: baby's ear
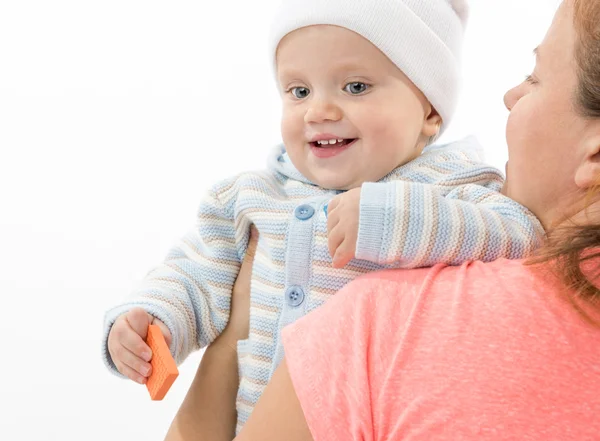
x: 432, y: 124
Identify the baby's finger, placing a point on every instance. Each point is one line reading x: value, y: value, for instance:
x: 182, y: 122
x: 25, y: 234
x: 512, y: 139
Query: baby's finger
x: 131, y: 373
x: 333, y: 219
x: 343, y: 254
x: 332, y: 204
x: 138, y: 320
x: 136, y: 345
x: 135, y: 363
x: 334, y: 240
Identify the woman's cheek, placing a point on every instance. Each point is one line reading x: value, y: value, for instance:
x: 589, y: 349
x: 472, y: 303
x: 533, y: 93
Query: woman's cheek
x: 520, y: 128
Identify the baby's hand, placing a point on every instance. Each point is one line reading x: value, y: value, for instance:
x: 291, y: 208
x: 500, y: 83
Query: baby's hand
x: 343, y: 214
x: 127, y: 343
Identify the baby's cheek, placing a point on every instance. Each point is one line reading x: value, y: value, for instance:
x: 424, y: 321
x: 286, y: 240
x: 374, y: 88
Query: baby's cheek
x: 403, y: 127
x: 288, y: 128
x: 385, y: 130
x: 294, y: 140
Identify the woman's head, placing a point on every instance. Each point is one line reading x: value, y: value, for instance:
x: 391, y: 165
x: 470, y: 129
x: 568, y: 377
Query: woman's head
x: 554, y: 144
x: 553, y: 130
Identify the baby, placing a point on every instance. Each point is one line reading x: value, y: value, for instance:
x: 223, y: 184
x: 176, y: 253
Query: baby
x: 355, y: 187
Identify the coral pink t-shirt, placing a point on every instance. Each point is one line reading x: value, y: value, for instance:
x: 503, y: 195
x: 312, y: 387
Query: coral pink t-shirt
x: 484, y: 351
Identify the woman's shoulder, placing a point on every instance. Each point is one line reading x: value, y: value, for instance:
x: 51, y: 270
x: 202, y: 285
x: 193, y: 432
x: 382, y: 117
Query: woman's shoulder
x: 485, y: 287
x: 439, y: 276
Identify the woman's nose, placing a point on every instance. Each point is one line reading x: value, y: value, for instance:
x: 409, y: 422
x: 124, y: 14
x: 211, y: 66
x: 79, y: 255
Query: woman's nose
x: 513, y: 96
x: 321, y: 110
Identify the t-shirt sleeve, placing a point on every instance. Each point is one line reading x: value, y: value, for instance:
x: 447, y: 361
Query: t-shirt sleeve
x: 331, y: 353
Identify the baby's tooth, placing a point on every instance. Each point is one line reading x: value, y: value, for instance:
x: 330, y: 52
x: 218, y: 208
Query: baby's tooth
x: 330, y: 142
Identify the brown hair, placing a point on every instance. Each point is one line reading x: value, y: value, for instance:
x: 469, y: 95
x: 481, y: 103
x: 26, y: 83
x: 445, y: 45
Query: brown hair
x: 569, y: 248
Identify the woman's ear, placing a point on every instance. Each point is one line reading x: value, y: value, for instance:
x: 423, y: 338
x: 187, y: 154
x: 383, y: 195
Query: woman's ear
x: 588, y: 172
x: 432, y: 123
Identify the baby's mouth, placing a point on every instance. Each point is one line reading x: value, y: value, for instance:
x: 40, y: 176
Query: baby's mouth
x: 332, y: 143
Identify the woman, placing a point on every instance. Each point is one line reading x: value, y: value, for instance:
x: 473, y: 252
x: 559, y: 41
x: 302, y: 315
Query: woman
x: 503, y: 350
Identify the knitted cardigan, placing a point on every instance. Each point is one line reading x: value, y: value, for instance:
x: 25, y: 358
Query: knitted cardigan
x: 443, y: 207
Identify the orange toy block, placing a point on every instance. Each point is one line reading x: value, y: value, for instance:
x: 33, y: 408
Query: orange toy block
x: 164, y: 368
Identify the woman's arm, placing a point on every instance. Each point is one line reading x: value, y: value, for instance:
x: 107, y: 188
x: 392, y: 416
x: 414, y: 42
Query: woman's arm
x: 208, y: 410
x: 278, y: 415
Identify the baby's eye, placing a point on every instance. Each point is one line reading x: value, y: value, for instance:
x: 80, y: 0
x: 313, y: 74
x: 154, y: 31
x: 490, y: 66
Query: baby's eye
x: 356, y: 88
x: 299, y: 92
x: 530, y: 79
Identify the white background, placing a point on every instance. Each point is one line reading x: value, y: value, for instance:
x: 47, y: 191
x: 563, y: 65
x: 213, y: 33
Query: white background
x: 115, y: 116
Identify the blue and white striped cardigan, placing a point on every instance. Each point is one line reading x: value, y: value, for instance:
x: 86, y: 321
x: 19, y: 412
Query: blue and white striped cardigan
x: 443, y: 207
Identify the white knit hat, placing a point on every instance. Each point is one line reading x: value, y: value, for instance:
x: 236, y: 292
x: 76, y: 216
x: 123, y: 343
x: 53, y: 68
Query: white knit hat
x: 422, y: 37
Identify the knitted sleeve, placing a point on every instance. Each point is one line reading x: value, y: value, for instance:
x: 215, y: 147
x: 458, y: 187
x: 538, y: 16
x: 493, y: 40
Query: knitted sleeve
x: 460, y: 216
x: 190, y: 291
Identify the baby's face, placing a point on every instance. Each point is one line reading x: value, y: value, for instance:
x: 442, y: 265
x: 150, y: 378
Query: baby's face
x: 349, y: 114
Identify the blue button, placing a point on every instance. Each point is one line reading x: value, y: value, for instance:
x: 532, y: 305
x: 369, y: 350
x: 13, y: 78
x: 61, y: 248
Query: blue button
x: 304, y: 212
x: 294, y: 296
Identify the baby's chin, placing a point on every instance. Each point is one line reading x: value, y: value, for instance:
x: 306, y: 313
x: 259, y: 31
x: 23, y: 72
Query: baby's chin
x: 336, y: 183
x: 340, y: 177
